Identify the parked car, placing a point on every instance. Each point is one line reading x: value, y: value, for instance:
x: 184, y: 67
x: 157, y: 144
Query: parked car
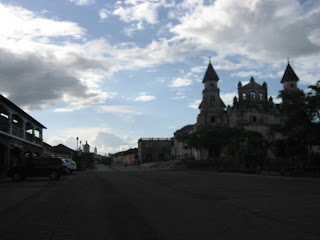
x: 72, y: 166
x: 52, y: 167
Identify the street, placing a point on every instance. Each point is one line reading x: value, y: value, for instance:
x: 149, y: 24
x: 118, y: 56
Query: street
x: 133, y: 203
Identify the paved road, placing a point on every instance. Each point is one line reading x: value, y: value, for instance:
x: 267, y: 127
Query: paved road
x: 132, y: 203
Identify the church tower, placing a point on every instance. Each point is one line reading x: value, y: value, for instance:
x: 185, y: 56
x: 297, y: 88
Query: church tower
x: 289, y: 79
x: 211, y: 107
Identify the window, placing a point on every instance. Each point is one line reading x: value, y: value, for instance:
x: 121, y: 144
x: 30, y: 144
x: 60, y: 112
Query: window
x: 261, y: 96
x: 254, y: 119
x: 244, y: 96
x: 212, y: 101
x: 252, y: 95
x: 212, y: 120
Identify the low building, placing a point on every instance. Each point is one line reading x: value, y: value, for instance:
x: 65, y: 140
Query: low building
x: 20, y: 135
x: 155, y: 149
x: 129, y: 157
x: 58, y: 151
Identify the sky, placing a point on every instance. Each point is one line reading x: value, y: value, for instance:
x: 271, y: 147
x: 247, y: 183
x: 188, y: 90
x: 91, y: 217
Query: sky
x: 111, y: 72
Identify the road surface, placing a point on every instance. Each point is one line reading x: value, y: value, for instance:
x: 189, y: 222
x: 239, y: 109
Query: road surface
x: 132, y: 203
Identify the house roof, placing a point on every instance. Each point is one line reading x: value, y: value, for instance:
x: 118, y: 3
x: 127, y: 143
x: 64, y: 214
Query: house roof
x: 289, y: 75
x: 19, y: 110
x: 211, y: 74
x: 62, y: 148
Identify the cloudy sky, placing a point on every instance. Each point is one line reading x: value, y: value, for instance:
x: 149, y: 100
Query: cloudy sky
x: 111, y: 72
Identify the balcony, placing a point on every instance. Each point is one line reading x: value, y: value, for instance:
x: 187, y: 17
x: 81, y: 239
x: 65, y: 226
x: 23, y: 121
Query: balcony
x: 16, y: 131
x: 4, y: 126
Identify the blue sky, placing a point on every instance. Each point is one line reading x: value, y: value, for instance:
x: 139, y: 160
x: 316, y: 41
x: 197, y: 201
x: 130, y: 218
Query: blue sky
x: 111, y: 72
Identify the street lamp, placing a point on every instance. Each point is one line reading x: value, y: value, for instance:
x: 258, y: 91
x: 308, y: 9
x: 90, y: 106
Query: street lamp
x: 77, y: 144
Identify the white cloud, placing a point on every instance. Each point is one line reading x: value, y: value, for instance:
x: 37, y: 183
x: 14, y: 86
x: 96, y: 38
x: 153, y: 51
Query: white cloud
x: 103, y: 14
x: 59, y: 72
x: 255, y: 29
x: 198, y: 69
x: 180, y: 95
x: 195, y: 104
x: 26, y: 24
x: 104, y: 139
x: 144, y: 98
x: 138, y: 11
x: 82, y: 2
x: 227, y: 98
x: 246, y: 74
x: 117, y: 109
x: 180, y: 82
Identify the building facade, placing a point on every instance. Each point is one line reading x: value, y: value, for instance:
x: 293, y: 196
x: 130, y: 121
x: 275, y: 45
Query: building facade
x: 20, y: 135
x: 252, y: 110
x: 155, y: 149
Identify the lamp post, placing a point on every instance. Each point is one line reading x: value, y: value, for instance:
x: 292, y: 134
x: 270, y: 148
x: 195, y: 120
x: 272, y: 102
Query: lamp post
x: 77, y: 144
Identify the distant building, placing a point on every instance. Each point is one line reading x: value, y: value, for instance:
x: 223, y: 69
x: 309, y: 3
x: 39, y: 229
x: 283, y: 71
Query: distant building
x: 63, y: 151
x: 129, y: 157
x: 86, y: 148
x: 252, y: 110
x: 58, y: 151
x: 20, y: 135
x: 154, y: 149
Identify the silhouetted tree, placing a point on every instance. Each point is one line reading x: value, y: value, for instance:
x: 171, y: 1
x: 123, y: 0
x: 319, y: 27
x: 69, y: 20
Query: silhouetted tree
x: 214, y: 139
x: 300, y: 129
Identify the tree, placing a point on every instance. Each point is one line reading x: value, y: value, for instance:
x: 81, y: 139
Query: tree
x: 214, y: 139
x: 300, y: 129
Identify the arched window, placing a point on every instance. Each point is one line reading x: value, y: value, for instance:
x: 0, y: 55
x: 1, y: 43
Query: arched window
x: 261, y: 96
x: 4, y: 119
x: 244, y: 96
x: 252, y: 95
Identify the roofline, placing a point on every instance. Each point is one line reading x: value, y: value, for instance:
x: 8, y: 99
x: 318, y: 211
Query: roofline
x: 19, y: 110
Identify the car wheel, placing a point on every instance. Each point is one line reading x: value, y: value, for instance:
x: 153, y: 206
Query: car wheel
x: 54, y: 175
x: 16, y: 176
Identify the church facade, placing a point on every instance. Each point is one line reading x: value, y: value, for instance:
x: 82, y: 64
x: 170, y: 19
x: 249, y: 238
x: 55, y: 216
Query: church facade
x: 252, y: 110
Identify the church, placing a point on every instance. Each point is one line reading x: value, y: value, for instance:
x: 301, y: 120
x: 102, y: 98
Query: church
x: 252, y: 110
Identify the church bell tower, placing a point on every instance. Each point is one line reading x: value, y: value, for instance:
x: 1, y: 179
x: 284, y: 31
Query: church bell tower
x: 211, y: 107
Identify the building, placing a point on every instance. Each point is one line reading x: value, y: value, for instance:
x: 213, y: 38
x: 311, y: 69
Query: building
x: 86, y: 148
x: 20, y: 135
x: 155, y: 149
x: 129, y: 157
x: 252, y: 110
x: 58, y: 151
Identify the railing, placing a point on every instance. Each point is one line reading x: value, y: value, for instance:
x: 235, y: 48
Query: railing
x: 17, y: 131
x: 30, y: 137
x: 38, y: 141
x: 4, y: 125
